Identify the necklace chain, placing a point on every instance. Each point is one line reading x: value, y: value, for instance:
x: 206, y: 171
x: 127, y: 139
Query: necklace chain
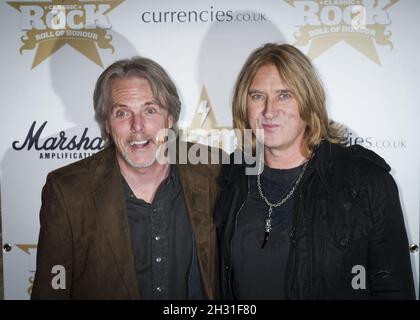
x: 270, y: 205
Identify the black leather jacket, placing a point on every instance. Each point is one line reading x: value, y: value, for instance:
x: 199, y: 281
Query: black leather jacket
x: 347, y: 219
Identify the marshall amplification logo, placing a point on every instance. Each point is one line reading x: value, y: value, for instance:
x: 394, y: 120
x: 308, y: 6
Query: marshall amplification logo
x: 60, y: 146
x: 360, y: 23
x: 49, y: 25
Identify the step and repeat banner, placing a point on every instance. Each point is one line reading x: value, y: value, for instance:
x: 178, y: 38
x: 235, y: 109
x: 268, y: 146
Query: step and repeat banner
x: 52, y: 52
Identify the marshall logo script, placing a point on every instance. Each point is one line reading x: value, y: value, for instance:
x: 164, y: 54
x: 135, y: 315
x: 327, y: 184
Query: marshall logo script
x: 60, y: 146
x: 49, y: 25
x: 359, y: 23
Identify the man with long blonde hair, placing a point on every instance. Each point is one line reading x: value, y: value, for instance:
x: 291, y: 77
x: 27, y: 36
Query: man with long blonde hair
x: 320, y: 220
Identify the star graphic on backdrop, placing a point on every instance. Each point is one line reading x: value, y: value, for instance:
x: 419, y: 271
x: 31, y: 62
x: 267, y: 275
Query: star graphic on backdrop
x: 48, y: 47
x: 362, y: 42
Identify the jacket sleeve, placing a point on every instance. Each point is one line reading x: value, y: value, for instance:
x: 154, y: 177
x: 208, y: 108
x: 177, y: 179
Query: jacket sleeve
x: 53, y: 275
x: 389, y: 268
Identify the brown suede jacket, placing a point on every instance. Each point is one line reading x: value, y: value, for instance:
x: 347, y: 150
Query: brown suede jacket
x: 84, y: 228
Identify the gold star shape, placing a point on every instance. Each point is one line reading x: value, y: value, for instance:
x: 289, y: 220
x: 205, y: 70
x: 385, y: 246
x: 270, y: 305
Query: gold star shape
x: 48, y: 47
x: 359, y: 41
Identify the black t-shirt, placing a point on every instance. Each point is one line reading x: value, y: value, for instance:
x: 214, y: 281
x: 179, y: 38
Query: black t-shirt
x: 260, y: 273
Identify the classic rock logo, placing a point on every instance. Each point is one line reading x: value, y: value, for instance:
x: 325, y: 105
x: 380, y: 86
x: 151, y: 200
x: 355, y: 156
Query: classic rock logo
x: 49, y: 25
x: 324, y: 23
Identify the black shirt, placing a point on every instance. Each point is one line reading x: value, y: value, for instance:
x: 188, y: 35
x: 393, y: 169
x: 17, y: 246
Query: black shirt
x: 163, y: 242
x: 260, y: 273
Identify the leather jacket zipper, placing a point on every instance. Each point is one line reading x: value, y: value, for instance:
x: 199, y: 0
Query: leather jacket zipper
x: 234, y: 230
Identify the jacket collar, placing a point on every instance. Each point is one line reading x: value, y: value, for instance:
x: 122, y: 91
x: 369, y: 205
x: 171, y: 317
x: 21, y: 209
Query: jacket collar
x: 198, y: 186
x: 322, y: 162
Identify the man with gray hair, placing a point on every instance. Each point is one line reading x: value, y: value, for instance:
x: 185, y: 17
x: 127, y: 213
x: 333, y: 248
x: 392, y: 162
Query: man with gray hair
x: 124, y: 223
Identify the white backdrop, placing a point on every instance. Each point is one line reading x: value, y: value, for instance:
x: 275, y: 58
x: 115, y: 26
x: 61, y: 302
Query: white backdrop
x: 371, y: 78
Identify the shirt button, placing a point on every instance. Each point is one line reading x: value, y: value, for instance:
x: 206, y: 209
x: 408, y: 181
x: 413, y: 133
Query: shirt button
x: 157, y: 238
x: 159, y: 289
x: 158, y: 259
x: 154, y: 210
x: 344, y: 242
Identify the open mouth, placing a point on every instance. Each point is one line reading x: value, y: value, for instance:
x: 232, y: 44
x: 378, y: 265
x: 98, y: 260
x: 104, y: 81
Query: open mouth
x: 139, y: 144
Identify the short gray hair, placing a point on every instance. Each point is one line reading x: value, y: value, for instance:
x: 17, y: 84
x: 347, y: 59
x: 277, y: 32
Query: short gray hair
x: 161, y: 84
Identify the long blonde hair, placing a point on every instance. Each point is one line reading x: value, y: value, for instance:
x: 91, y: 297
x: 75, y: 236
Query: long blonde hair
x: 301, y: 78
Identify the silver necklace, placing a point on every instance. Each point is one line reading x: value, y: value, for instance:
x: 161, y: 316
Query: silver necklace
x: 270, y: 205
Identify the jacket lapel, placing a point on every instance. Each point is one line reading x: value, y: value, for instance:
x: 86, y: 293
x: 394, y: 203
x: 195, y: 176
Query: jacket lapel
x: 109, y: 202
x: 197, y: 197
